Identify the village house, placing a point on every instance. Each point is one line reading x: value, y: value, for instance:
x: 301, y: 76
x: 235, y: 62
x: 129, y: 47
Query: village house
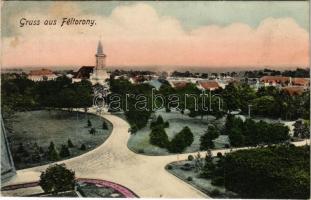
x: 41, y: 75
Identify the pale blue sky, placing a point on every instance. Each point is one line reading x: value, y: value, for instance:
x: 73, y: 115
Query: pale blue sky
x: 190, y: 14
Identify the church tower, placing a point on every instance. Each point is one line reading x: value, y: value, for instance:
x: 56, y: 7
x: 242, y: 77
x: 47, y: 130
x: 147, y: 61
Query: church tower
x: 100, y: 74
x: 100, y: 57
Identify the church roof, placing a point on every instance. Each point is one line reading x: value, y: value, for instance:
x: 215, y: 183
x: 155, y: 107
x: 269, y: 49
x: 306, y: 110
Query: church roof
x: 84, y: 72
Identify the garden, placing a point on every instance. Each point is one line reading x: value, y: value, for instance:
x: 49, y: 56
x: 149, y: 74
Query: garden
x: 256, y: 173
x: 43, y: 136
x: 174, y: 122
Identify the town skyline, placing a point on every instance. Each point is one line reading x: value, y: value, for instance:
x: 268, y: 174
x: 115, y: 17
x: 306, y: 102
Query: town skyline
x: 145, y: 34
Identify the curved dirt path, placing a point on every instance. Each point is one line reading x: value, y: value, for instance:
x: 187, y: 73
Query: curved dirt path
x: 113, y: 161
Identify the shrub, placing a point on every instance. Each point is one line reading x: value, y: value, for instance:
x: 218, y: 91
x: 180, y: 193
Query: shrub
x: 189, y: 178
x: 70, y: 145
x: 57, y: 178
x: 141, y: 151
x: 218, y: 181
x: 21, y: 150
x: 190, y: 157
x: 169, y: 167
x: 215, y: 192
x: 219, y: 154
x: 89, y: 123
x: 83, y: 147
x: 105, y: 126
x: 92, y: 131
x: 64, y: 151
x: 166, y: 124
x: 134, y: 129
x: 52, y: 153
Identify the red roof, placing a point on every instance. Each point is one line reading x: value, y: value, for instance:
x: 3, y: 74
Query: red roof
x: 285, y: 79
x: 179, y: 84
x: 41, y: 72
x: 209, y: 85
x: 277, y: 79
x: 294, y: 90
x: 301, y: 81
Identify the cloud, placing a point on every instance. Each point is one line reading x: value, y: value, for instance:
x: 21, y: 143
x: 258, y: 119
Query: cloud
x: 138, y: 35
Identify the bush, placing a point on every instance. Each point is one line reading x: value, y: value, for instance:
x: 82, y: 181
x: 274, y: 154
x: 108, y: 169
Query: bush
x: 218, y: 181
x: 169, y: 167
x: 52, y: 153
x: 64, y: 151
x: 105, y: 126
x: 83, y: 147
x: 70, y: 145
x: 92, y: 131
x: 215, y: 192
x: 219, y: 154
x: 190, y: 157
x: 22, y: 151
x: 134, y: 129
x: 57, y: 178
x: 89, y: 123
x: 166, y: 124
x: 141, y: 151
x: 189, y: 178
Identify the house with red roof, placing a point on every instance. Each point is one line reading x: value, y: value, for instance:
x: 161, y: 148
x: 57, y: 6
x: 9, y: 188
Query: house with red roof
x: 41, y: 75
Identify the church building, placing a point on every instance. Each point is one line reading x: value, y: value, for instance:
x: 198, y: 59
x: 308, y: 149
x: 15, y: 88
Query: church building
x: 96, y: 74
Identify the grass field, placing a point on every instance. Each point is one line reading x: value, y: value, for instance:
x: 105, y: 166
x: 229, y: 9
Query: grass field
x: 43, y: 127
x: 139, y: 142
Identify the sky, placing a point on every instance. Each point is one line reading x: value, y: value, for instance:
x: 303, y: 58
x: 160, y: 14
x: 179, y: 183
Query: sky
x: 164, y: 34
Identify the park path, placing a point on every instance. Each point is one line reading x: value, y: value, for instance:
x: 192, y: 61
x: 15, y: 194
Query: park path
x: 113, y: 161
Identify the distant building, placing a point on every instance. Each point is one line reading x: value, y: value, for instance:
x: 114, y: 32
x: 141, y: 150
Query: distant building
x: 41, y: 75
x: 222, y: 141
x: 208, y: 85
x: 283, y: 81
x: 100, y: 74
x: 97, y: 73
x: 84, y: 72
x: 179, y: 84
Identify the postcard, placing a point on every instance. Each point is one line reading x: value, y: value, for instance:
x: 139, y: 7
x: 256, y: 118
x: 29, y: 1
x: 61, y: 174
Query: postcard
x: 155, y: 99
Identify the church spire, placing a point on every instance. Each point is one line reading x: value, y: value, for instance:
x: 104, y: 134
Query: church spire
x: 100, y: 48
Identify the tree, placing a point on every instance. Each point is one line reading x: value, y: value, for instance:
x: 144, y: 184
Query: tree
x: 52, y: 153
x: 269, y: 173
x: 36, y: 157
x: 64, y: 151
x: 236, y: 137
x: 22, y: 151
x: 57, y: 178
x: 206, y: 140
x: 301, y: 129
x: 182, y: 140
x: 208, y: 168
x: 159, y: 137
